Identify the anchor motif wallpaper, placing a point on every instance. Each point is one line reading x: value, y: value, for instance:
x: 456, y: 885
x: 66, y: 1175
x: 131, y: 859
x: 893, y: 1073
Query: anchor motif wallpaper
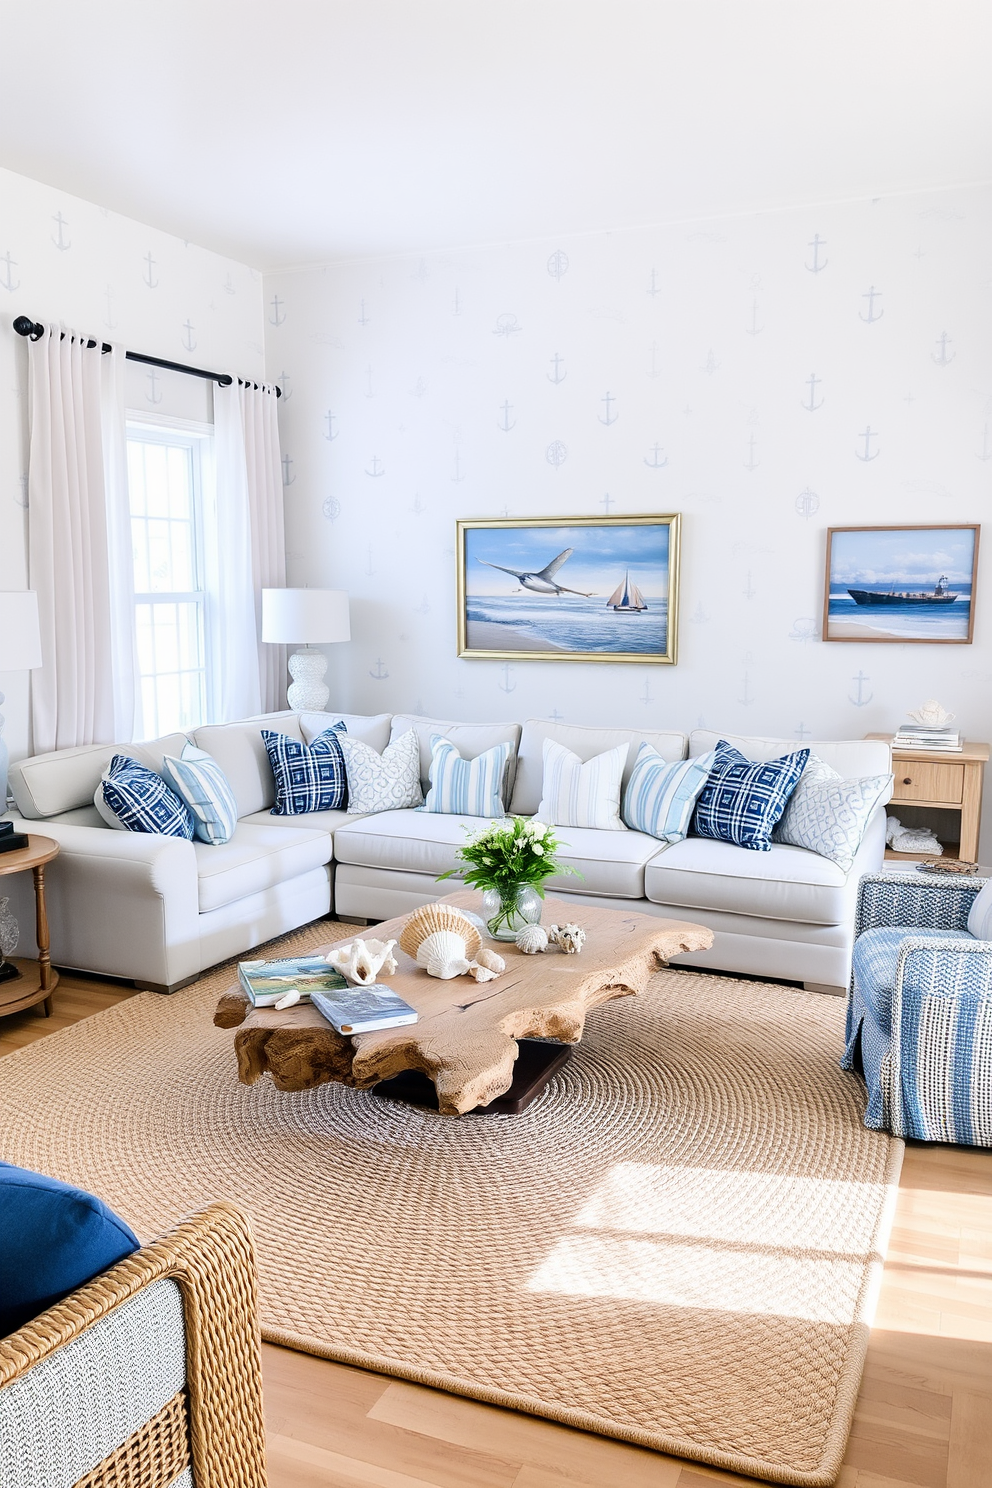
x: 580, y: 589
x: 901, y: 584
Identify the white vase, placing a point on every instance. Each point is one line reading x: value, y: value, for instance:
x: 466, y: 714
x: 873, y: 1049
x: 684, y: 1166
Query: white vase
x: 308, y: 692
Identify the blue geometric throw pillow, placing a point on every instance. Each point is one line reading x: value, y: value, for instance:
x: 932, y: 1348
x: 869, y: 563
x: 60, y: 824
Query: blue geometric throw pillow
x: 741, y: 801
x: 142, y: 802
x: 308, y: 777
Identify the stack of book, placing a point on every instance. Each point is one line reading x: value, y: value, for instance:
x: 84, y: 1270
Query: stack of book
x: 349, y: 1009
x: 919, y: 736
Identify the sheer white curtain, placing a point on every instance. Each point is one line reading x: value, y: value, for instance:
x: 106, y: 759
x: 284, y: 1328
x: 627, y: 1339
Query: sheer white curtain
x: 79, y: 543
x: 250, y: 553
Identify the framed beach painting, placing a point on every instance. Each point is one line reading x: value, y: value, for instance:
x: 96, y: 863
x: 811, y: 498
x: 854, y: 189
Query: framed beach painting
x: 569, y: 588
x: 901, y: 584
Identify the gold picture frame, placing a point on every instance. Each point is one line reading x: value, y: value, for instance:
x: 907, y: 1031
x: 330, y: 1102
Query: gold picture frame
x: 629, y: 565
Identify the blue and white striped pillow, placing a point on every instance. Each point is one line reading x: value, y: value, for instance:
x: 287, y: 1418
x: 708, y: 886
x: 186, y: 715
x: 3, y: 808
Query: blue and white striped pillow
x: 466, y: 787
x: 198, y: 779
x: 142, y: 802
x: 661, y: 797
x: 582, y: 795
x: 308, y: 777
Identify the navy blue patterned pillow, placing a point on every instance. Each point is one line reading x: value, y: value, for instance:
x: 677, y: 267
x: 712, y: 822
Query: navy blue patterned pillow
x: 741, y: 801
x: 142, y: 802
x: 309, y: 777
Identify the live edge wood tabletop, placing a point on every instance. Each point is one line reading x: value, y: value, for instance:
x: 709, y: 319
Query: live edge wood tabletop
x: 36, y: 980
x: 950, y: 781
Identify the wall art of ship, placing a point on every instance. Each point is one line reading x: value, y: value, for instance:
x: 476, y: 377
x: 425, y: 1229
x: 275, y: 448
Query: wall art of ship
x: 939, y: 595
x: 626, y: 598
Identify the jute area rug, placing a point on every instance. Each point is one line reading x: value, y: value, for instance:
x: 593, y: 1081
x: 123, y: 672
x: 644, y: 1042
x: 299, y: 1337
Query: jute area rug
x: 677, y: 1245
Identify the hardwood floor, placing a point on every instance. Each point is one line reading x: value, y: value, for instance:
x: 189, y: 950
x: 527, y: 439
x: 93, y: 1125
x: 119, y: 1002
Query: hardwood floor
x: 924, y: 1415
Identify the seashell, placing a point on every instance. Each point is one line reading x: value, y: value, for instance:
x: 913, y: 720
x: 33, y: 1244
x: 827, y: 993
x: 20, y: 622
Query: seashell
x: 361, y: 961
x: 289, y: 999
x: 532, y: 939
x: 442, y: 954
x: 431, y: 918
x: 487, y: 966
x: 932, y: 715
x: 568, y: 938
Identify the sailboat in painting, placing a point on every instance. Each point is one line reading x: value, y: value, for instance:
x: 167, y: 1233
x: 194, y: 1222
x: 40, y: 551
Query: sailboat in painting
x: 626, y: 598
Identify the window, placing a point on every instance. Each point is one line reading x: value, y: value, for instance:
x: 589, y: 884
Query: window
x: 167, y: 467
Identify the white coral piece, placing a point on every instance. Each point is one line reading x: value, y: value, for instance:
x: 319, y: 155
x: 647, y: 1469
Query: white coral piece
x: 362, y: 961
x: 532, y: 940
x: 932, y: 715
x: 568, y: 938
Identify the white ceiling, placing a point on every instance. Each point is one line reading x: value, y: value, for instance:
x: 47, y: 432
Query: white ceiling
x: 306, y: 130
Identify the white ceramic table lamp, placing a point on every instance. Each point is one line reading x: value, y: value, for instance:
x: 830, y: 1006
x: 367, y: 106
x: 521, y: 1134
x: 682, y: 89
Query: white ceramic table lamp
x: 311, y: 617
x: 20, y: 651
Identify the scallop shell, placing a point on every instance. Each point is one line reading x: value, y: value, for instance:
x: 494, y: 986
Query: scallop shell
x: 430, y: 919
x: 532, y: 939
x: 442, y: 954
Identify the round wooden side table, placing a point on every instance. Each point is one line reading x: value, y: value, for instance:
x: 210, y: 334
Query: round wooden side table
x: 36, y: 980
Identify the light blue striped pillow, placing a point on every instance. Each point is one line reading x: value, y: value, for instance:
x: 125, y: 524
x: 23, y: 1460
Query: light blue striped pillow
x: 660, y: 798
x: 201, y: 784
x: 577, y: 794
x: 466, y: 787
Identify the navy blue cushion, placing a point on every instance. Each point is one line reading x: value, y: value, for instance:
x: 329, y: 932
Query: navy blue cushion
x: 741, y: 800
x: 142, y: 802
x: 53, y: 1238
x: 308, y: 777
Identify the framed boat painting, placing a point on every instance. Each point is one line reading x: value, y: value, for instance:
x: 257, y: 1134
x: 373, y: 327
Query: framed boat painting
x: 569, y: 588
x: 901, y: 584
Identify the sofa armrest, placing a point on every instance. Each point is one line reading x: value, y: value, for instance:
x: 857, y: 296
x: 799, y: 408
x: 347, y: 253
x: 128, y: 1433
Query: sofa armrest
x: 925, y: 901
x: 119, y: 903
x: 213, y: 1424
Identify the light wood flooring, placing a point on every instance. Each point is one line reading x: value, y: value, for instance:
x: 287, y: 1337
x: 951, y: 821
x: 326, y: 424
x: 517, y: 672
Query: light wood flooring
x: 924, y: 1416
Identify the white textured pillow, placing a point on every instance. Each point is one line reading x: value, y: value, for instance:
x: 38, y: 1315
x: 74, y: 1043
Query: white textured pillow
x: 582, y: 795
x: 828, y: 815
x: 980, y: 918
x: 382, y: 782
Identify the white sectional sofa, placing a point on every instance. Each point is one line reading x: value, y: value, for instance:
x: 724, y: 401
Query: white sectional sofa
x: 159, y: 910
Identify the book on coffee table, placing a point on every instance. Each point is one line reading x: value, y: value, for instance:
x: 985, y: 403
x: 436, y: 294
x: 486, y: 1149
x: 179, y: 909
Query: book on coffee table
x: 266, y: 982
x: 364, y: 1009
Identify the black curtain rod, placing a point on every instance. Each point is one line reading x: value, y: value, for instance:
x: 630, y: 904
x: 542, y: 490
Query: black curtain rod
x: 25, y: 327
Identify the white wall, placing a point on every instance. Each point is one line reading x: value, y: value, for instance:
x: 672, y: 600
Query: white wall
x: 705, y: 335
x: 66, y: 260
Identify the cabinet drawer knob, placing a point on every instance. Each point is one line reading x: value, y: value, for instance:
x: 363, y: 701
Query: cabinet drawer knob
x: 908, y: 780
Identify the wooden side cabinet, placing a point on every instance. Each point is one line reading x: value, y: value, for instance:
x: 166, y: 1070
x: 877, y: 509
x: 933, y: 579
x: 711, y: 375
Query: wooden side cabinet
x: 946, y: 782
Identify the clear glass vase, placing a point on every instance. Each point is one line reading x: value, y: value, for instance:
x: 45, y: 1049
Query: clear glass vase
x: 508, y: 910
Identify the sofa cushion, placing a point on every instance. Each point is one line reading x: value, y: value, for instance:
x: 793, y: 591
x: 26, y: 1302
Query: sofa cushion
x: 980, y: 914
x: 66, y: 779
x: 470, y: 739
x: 661, y: 797
x: 577, y: 794
x: 371, y: 729
x: 830, y: 815
x: 383, y: 782
x: 256, y: 858
x: 848, y: 757
x: 743, y: 799
x: 142, y: 802
x: 199, y: 781
x: 585, y: 742
x: 611, y: 863
x: 785, y: 883
x: 320, y: 821
x: 308, y: 777
x: 53, y: 1238
x: 239, y: 750
x: 467, y: 787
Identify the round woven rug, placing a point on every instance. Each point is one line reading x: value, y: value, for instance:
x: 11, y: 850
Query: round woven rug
x: 678, y: 1243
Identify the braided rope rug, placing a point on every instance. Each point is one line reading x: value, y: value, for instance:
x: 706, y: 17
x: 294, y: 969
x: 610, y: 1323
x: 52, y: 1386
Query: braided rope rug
x: 678, y: 1244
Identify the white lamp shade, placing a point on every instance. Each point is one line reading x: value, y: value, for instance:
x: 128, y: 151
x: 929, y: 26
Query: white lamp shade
x: 20, y: 634
x: 294, y: 617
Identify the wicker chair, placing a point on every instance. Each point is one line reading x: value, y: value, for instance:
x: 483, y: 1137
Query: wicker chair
x: 919, y: 1013
x: 146, y: 1377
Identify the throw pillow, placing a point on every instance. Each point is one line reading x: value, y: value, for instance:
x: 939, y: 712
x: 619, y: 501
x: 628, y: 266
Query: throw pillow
x: 582, y: 795
x: 828, y: 815
x: 198, y: 780
x: 466, y: 787
x: 980, y: 915
x: 53, y: 1238
x: 142, y: 802
x: 661, y: 797
x: 383, y: 782
x: 741, y: 801
x: 308, y: 777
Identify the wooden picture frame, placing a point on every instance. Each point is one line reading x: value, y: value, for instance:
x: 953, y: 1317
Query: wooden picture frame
x: 569, y: 588
x: 911, y: 584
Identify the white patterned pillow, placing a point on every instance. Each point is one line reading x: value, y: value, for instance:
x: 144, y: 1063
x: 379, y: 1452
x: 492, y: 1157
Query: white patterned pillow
x: 582, y: 795
x: 828, y: 815
x: 382, y: 782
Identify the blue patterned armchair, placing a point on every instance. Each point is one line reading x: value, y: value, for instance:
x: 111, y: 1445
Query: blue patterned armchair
x: 919, y: 1013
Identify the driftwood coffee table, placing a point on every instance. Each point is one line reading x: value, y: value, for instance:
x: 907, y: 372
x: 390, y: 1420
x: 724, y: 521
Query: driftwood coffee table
x: 465, y: 1041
